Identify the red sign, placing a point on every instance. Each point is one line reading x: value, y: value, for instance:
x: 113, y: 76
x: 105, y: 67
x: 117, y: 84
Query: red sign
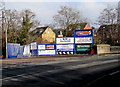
x: 83, y: 33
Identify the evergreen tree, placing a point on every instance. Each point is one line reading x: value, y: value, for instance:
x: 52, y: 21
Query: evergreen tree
x: 24, y: 32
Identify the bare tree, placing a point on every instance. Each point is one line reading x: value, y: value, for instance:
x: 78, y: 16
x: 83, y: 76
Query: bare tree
x: 109, y: 30
x: 14, y: 22
x: 108, y: 16
x: 66, y: 16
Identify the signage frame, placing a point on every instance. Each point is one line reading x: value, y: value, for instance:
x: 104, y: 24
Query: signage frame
x: 77, y: 36
x: 83, y: 31
x: 49, y: 48
x: 70, y: 42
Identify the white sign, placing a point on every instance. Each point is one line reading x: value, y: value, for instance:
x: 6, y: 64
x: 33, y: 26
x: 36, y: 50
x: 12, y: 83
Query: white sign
x: 65, y: 47
x: 41, y: 47
x: 83, y: 40
x: 64, y: 40
x: 33, y: 46
x: 46, y: 52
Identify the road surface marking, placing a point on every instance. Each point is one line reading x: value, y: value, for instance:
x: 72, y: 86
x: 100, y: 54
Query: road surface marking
x: 114, y: 73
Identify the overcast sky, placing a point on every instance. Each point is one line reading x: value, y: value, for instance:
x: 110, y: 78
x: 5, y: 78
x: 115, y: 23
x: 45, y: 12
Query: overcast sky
x: 46, y: 9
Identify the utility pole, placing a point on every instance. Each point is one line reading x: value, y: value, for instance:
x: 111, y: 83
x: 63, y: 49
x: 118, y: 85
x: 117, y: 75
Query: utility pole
x: 0, y: 30
x: 4, y: 30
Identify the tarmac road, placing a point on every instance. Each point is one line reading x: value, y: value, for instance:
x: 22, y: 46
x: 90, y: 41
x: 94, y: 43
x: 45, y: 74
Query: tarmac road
x: 92, y: 71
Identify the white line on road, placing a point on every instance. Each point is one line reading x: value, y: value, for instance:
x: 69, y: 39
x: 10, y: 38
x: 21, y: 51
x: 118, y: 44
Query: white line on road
x: 114, y: 73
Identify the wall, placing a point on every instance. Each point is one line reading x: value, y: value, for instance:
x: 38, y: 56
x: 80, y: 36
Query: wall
x: 103, y: 49
x: 48, y: 36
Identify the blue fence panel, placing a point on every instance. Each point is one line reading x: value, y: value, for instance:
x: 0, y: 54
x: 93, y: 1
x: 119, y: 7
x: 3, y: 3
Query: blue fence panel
x: 34, y: 52
x: 20, y: 52
x: 13, y: 50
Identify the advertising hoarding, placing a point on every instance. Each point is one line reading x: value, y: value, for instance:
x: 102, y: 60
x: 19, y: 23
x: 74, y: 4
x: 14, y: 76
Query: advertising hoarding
x: 81, y: 40
x: 41, y: 47
x: 65, y: 47
x: 49, y: 46
x: 46, y: 49
x: 83, y: 33
x: 46, y: 46
x: 83, y: 47
x: 33, y: 46
x: 64, y: 40
x: 46, y: 52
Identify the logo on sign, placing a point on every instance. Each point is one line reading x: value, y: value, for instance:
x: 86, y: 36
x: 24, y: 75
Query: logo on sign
x: 65, y: 40
x: 83, y: 33
x: 83, y: 40
x: 50, y: 47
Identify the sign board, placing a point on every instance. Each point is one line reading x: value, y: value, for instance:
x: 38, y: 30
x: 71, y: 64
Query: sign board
x: 64, y: 40
x: 65, y: 47
x: 46, y: 46
x: 46, y: 49
x: 46, y: 52
x: 49, y: 46
x: 33, y: 46
x: 83, y: 33
x: 81, y: 40
x: 83, y: 47
x: 41, y: 47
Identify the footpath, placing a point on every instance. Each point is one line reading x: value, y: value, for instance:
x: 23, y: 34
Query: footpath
x: 43, y: 59
x: 40, y: 59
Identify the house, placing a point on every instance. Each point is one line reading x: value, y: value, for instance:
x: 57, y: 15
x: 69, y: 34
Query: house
x: 77, y: 26
x: 109, y: 34
x: 59, y: 32
x: 70, y: 29
x: 87, y: 26
x: 45, y: 35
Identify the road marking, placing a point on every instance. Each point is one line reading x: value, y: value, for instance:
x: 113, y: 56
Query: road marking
x: 90, y: 64
x: 114, y: 73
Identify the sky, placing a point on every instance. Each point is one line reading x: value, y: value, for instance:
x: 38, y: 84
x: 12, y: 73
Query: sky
x: 45, y: 10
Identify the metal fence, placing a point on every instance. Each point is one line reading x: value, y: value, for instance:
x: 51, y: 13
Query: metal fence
x: 115, y: 49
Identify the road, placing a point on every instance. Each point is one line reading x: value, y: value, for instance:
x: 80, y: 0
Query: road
x: 92, y: 71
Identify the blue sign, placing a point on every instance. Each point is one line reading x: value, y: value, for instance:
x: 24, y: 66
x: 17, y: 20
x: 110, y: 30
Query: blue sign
x: 46, y: 49
x: 83, y: 40
x: 83, y: 33
x: 49, y: 47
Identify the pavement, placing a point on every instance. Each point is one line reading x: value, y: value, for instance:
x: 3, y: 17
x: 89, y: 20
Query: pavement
x: 40, y: 59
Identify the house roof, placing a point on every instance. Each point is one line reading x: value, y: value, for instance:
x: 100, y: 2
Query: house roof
x: 57, y: 31
x: 39, y: 31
